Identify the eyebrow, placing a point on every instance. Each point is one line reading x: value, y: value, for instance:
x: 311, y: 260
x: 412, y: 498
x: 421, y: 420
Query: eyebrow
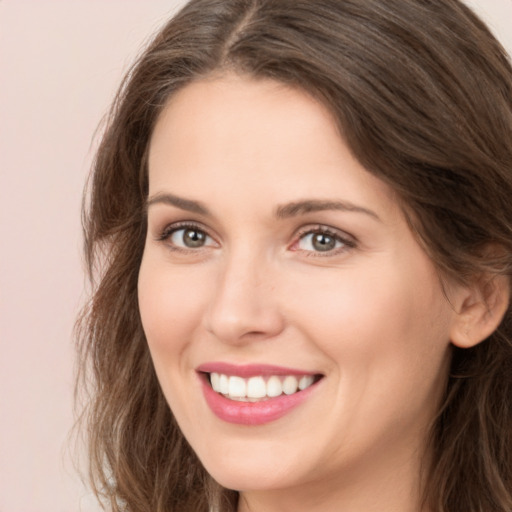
x: 178, y: 202
x: 318, y: 205
x: 284, y: 211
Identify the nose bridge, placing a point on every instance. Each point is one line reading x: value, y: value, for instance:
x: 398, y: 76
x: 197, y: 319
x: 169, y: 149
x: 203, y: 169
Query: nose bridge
x: 243, y: 305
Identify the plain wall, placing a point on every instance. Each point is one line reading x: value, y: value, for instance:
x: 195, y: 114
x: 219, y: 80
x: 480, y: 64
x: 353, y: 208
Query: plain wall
x: 60, y: 63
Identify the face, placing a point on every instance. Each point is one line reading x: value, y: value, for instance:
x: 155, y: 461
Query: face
x: 299, y: 332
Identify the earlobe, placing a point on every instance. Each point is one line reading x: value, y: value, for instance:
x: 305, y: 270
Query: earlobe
x: 480, y: 310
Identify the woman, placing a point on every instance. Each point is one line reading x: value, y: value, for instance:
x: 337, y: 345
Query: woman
x: 299, y: 228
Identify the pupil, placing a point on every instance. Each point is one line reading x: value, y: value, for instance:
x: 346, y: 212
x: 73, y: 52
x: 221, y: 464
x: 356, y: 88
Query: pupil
x: 193, y: 238
x: 322, y: 242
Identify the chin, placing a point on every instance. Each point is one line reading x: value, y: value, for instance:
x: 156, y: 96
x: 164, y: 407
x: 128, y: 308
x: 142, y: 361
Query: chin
x: 242, y: 475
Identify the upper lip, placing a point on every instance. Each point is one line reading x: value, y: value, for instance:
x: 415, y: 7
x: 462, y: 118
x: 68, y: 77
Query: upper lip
x: 250, y: 370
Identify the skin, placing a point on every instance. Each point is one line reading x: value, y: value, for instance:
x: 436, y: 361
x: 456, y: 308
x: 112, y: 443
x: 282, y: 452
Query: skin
x: 369, y: 315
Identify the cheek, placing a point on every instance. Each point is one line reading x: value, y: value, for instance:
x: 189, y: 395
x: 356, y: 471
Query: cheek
x: 385, y: 323
x: 386, y: 337
x: 170, y: 304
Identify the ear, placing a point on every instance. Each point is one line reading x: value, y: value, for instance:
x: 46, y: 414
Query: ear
x: 480, y: 308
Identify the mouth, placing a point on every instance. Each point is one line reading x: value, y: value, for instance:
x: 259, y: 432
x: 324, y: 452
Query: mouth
x: 254, y: 394
x: 260, y: 387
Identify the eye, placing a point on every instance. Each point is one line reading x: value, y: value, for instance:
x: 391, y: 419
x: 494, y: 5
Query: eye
x: 323, y: 240
x: 186, y: 237
x: 189, y: 237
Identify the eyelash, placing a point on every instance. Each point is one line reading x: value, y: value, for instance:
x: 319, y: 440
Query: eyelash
x: 168, y: 231
x: 348, y: 242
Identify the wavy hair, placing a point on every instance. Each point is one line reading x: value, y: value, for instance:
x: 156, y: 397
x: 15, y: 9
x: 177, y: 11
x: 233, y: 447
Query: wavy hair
x: 422, y: 93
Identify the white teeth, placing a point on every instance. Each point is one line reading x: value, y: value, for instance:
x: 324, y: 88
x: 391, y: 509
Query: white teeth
x: 223, y: 384
x: 290, y: 385
x: 214, y: 379
x: 305, y: 382
x: 237, y: 387
x: 274, y: 387
x: 254, y: 388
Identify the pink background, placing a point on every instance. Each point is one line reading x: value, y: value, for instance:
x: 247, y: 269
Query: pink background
x: 60, y: 63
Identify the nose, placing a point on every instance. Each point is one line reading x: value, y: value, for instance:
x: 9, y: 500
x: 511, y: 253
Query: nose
x: 244, y: 305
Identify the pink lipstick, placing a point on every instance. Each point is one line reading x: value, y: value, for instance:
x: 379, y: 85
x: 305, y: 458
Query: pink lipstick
x: 254, y: 394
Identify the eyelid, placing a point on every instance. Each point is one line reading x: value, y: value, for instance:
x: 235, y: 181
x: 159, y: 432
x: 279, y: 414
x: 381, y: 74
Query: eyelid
x: 164, y: 234
x: 348, y: 241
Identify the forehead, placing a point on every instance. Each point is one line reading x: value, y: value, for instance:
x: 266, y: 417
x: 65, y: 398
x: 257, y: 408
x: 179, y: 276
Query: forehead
x: 258, y: 114
x: 254, y: 137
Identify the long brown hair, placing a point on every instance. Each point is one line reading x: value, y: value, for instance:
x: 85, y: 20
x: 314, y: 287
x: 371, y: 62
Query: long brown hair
x: 422, y: 93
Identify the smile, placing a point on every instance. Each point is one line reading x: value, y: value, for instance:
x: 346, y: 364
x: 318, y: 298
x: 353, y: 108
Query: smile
x: 254, y: 394
x: 258, y: 388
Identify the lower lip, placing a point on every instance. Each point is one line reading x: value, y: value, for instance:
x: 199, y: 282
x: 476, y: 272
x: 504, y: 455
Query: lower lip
x: 252, y: 413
